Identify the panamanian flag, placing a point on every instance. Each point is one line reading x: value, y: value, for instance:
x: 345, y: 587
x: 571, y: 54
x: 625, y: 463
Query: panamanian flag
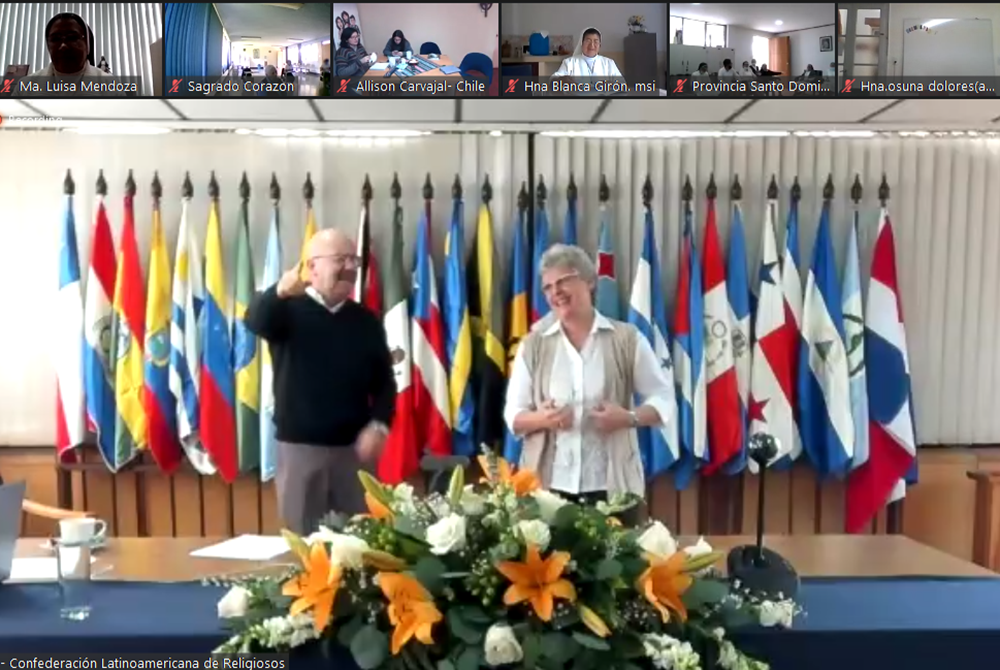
x: 825, y: 421
x: 791, y: 291
x: 892, y: 447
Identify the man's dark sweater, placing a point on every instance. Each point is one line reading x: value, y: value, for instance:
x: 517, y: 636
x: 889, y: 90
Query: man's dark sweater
x: 332, y: 370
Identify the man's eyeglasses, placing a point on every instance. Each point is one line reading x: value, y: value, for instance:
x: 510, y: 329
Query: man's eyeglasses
x: 341, y: 259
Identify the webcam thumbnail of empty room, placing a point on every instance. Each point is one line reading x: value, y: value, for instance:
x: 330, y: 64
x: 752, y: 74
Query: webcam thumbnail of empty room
x: 583, y: 49
x: 82, y: 49
x: 248, y: 50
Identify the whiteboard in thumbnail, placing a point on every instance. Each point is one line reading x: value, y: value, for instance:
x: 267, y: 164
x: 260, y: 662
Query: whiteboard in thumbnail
x: 345, y: 15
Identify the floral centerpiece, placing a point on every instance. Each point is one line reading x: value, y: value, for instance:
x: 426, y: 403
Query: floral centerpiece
x: 498, y: 574
x: 637, y: 24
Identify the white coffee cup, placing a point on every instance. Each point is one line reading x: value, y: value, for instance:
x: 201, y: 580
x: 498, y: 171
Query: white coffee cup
x: 82, y: 531
x: 409, y: 55
x: 392, y: 61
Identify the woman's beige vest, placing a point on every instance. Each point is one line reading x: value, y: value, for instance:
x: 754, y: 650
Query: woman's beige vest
x: 625, y: 473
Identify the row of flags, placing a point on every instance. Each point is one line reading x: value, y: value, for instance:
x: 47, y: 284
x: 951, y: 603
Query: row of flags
x: 790, y: 360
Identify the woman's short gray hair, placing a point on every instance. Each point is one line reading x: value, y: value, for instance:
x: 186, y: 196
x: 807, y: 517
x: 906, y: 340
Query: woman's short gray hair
x: 570, y: 257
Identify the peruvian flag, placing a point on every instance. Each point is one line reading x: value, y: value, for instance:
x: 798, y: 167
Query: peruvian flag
x: 367, y: 288
x: 401, y: 456
x: 770, y: 407
x: 725, y: 430
x: 892, y: 443
x: 431, y: 394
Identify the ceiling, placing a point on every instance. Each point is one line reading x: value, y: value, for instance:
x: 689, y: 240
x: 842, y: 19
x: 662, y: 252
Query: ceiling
x: 580, y: 114
x: 760, y: 16
x: 276, y: 24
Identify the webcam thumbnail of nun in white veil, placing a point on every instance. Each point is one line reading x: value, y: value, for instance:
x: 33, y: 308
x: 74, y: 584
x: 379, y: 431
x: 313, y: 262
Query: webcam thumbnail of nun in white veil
x: 584, y: 45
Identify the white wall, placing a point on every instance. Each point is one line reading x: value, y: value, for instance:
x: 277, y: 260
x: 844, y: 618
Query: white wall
x: 944, y: 205
x: 804, y: 49
x: 458, y: 29
x: 521, y: 18
x: 900, y: 12
x: 741, y: 41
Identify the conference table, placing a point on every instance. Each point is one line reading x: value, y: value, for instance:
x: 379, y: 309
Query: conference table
x: 440, y: 62
x: 869, y: 602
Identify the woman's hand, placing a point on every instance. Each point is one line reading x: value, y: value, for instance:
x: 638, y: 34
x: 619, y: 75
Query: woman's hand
x: 366, y: 60
x: 555, y: 417
x: 397, y: 53
x: 610, y: 418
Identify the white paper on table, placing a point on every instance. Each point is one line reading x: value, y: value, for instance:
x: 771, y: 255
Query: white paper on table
x: 245, y: 548
x: 42, y: 568
x: 377, y: 67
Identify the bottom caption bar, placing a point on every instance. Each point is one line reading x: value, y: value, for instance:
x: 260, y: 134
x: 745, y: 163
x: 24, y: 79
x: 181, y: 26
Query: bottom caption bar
x: 529, y: 87
x: 145, y: 661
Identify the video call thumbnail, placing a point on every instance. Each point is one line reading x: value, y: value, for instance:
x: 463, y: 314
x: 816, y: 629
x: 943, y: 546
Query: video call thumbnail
x: 81, y: 49
x: 247, y: 49
x: 583, y: 49
x: 747, y: 50
x: 918, y: 49
x: 414, y: 49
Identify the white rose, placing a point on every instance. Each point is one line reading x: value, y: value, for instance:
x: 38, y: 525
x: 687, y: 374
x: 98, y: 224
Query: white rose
x: 447, y: 535
x: 234, y: 604
x: 347, y: 551
x: 657, y: 540
x: 535, y: 532
x: 501, y: 646
x: 472, y: 503
x: 778, y: 614
x: 548, y: 504
x: 402, y: 500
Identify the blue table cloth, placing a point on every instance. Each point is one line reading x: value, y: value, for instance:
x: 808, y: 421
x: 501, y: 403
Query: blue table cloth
x: 859, y: 624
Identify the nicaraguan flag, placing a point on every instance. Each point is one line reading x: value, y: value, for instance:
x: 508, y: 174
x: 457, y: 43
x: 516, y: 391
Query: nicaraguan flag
x: 823, y: 383
x: 607, y: 302
x: 854, y: 341
x: 738, y: 288
x: 659, y: 448
x: 892, y: 448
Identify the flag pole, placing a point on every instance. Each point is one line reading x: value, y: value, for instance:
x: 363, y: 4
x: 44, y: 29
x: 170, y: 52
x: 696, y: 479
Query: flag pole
x: 366, y: 203
x: 894, y: 513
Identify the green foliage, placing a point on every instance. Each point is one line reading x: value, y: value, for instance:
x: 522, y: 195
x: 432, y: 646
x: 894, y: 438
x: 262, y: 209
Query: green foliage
x: 369, y: 647
x: 430, y: 571
x: 705, y: 593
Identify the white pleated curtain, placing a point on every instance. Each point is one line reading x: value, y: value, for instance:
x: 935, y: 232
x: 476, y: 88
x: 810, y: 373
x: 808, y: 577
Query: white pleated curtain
x: 944, y: 200
x: 123, y: 33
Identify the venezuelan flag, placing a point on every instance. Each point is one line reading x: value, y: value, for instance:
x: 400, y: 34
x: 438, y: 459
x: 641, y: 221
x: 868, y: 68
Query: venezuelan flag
x: 217, y: 420
x: 158, y: 401
x: 517, y: 319
x: 128, y: 337
x: 307, y: 235
x: 458, y: 336
x: 246, y: 355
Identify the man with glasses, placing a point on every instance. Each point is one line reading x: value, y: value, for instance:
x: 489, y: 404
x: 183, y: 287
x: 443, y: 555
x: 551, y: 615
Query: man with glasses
x: 334, y: 388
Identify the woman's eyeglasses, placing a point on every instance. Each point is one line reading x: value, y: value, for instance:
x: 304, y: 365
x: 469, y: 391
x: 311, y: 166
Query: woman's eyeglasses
x: 560, y: 283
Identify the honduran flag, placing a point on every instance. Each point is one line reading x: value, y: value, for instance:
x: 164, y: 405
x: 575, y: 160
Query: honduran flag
x: 791, y: 291
x: 218, y: 393
x: 539, y: 305
x: 607, y: 301
x: 892, y: 447
x: 518, y: 320
x: 823, y: 383
x: 97, y: 367
x: 458, y: 335
x: 431, y: 393
x: 725, y: 432
x: 159, y: 402
x: 570, y: 224
x: 769, y: 408
x: 69, y: 345
x: 659, y: 448
x: 188, y: 297
x: 738, y: 289
x: 689, y: 360
x: 854, y: 341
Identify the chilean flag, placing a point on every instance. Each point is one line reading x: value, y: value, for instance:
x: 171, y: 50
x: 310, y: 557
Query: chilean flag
x: 432, y: 394
x: 824, y: 381
x: 892, y: 448
x: 69, y: 347
x: 725, y: 432
x: 738, y: 289
x: 791, y: 290
x: 689, y: 361
x: 769, y: 408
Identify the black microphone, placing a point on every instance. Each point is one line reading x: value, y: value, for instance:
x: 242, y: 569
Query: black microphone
x: 763, y: 572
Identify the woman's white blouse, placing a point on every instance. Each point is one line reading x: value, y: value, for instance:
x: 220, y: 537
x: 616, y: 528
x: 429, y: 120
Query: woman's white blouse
x: 577, y: 379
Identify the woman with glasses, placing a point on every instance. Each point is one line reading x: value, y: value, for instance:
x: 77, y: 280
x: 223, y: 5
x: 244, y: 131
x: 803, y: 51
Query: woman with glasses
x: 571, y: 390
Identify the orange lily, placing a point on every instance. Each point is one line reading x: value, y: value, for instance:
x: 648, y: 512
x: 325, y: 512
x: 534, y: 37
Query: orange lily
x: 664, y: 582
x: 537, y: 580
x: 376, y: 509
x: 315, y: 587
x: 411, y: 609
x: 522, y: 482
